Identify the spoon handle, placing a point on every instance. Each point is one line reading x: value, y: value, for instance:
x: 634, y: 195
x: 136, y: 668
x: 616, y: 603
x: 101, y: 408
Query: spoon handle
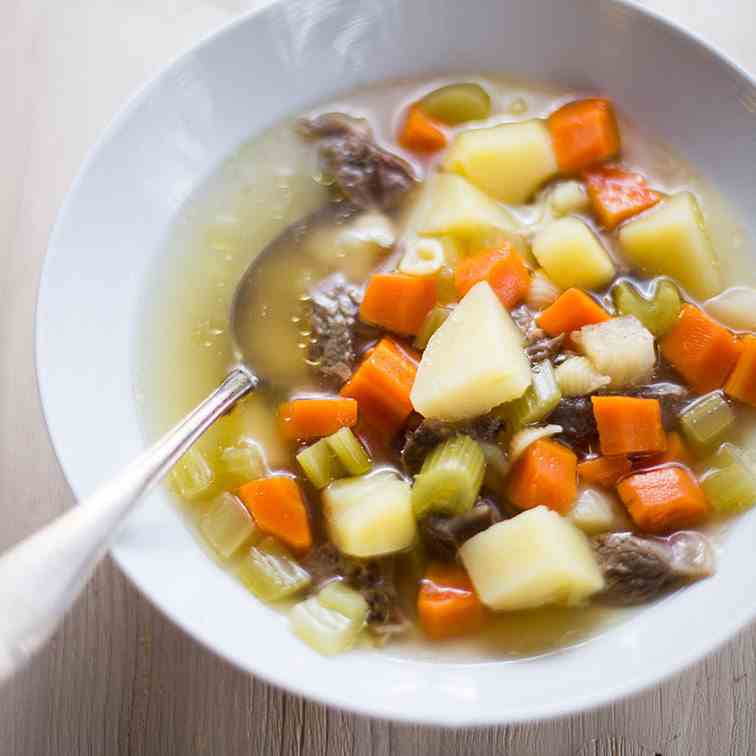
x: 42, y: 576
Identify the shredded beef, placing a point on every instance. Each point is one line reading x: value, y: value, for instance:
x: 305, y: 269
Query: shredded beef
x: 366, y: 174
x: 442, y: 536
x: 639, y: 569
x: 334, y: 307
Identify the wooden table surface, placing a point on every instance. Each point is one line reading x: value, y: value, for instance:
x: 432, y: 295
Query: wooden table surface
x: 118, y: 678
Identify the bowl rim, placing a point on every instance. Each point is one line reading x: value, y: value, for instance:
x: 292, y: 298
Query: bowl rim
x: 630, y: 688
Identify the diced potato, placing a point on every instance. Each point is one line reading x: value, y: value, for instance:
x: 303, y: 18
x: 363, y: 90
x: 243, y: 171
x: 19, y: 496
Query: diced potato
x: 671, y: 240
x: 620, y: 348
x: 572, y: 255
x: 597, y: 511
x: 509, y: 161
x: 535, y: 559
x: 473, y: 362
x: 451, y: 205
x: 568, y: 197
x: 370, y: 515
x: 735, y: 308
x: 228, y: 525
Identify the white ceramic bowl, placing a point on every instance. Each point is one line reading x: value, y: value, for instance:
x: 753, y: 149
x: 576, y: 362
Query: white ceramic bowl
x: 179, y: 128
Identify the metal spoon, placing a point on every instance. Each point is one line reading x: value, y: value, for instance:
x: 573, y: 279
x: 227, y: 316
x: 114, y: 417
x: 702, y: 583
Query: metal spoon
x: 42, y: 576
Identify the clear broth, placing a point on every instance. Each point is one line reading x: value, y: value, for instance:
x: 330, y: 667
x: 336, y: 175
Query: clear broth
x: 271, y: 182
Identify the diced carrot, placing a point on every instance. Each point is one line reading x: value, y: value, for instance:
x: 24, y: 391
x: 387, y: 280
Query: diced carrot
x: 502, y: 267
x: 381, y: 385
x: 701, y: 350
x: 278, y: 508
x: 741, y: 384
x: 398, y: 302
x: 663, y: 499
x: 627, y: 425
x: 572, y: 310
x: 546, y: 473
x: 420, y: 134
x: 617, y: 194
x: 584, y: 133
x: 604, y: 471
x: 447, y: 604
x: 677, y: 451
x: 303, y: 419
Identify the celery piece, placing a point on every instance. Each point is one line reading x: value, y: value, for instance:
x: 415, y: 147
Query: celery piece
x: 497, y: 465
x: 271, y: 573
x: 446, y: 290
x: 320, y: 464
x: 705, y: 421
x: 730, y: 483
x: 412, y: 564
x: 192, y: 476
x: 325, y: 630
x: 457, y: 103
x: 338, y: 596
x: 227, y: 525
x: 450, y: 478
x: 658, y: 314
x: 350, y: 453
x: 431, y: 324
x: 539, y: 400
x: 245, y: 462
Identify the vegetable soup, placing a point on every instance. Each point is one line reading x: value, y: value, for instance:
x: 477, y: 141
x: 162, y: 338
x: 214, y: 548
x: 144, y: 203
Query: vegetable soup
x: 509, y: 368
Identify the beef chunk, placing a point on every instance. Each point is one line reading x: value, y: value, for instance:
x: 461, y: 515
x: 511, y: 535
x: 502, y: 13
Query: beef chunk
x: 544, y: 348
x: 419, y: 441
x: 334, y: 307
x: 366, y: 174
x: 373, y: 578
x: 641, y: 569
x: 442, y: 536
x: 575, y: 415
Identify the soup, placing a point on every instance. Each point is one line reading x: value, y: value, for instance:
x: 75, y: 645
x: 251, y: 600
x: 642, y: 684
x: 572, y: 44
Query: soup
x: 507, y: 391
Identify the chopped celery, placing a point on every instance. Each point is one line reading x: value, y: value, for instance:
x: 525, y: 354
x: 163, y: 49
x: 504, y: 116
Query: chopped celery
x: 245, y: 462
x: 705, y: 421
x: 320, y: 464
x: 413, y: 563
x: 192, y: 476
x: 349, y: 452
x: 730, y: 484
x: 326, y: 630
x: 497, y: 465
x: 450, y: 478
x: 446, y: 290
x: 457, y: 103
x: 271, y: 573
x: 658, y: 314
x: 539, y: 400
x: 338, y: 596
x: 431, y: 324
x: 228, y: 525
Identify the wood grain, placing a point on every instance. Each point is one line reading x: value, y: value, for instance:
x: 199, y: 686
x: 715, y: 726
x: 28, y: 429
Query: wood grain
x: 119, y: 678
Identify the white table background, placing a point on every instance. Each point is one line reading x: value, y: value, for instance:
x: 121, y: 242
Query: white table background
x: 118, y: 678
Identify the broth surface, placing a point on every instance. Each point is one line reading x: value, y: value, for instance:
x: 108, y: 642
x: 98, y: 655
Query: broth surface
x: 273, y: 181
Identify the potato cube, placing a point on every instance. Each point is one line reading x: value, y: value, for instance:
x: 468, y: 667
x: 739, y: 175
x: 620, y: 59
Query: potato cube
x: 370, y: 515
x: 509, y: 161
x: 571, y: 255
x: 535, y: 559
x: 451, y: 205
x: 671, y: 240
x: 473, y: 362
